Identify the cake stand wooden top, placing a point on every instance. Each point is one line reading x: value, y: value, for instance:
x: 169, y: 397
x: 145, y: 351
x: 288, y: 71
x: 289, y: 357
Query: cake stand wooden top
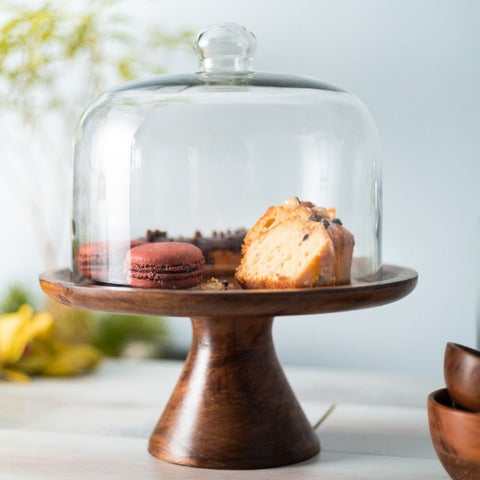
x: 393, y: 283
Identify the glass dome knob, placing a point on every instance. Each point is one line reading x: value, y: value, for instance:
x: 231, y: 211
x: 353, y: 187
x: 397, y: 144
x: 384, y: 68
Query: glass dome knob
x: 225, y: 47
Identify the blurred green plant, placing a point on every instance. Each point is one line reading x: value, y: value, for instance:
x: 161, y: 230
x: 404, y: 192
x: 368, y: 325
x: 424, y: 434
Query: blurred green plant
x: 15, y: 297
x: 28, y: 346
x: 61, y: 340
x: 54, y: 59
x: 129, y: 335
x: 114, y: 335
x: 40, y: 46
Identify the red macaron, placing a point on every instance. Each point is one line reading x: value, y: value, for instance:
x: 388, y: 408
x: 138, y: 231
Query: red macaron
x: 172, y: 265
x: 103, y: 261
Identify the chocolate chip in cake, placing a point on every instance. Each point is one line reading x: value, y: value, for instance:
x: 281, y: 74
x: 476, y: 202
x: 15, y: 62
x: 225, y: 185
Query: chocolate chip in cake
x: 316, y: 217
x: 156, y: 235
x: 305, y: 237
x: 326, y: 223
x: 337, y: 221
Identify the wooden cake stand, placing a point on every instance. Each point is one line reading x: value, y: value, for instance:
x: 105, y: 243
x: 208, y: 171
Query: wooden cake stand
x: 232, y: 407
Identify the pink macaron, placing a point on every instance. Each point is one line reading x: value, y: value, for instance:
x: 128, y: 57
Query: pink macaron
x: 103, y: 261
x: 171, y: 265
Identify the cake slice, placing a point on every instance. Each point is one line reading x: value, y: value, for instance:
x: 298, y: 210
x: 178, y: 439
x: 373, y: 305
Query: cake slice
x: 343, y: 242
x: 296, y: 245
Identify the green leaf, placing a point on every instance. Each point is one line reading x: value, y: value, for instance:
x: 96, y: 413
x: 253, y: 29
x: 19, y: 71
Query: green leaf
x: 15, y: 297
x: 113, y: 332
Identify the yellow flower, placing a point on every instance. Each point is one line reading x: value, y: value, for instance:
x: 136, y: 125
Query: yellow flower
x: 19, y: 328
x: 73, y: 360
x: 41, y: 326
x: 45, y: 354
x: 15, y: 333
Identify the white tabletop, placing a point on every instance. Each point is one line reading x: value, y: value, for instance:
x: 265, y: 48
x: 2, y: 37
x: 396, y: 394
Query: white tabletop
x: 97, y: 426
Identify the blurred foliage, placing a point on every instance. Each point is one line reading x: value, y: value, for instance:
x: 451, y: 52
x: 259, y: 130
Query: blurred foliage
x: 115, y: 335
x: 40, y: 46
x: 28, y: 346
x: 55, y: 58
x: 62, y: 340
x: 44, y: 50
x: 73, y: 325
x: 16, y: 297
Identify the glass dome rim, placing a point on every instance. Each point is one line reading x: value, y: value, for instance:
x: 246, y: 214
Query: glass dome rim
x: 231, y: 79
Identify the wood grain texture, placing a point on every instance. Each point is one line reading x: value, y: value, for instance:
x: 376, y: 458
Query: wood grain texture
x: 233, y: 407
x: 461, y: 369
x: 394, y: 284
x: 455, y: 435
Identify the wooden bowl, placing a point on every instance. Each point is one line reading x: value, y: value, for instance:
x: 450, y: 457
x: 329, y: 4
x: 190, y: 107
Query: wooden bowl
x: 455, y: 435
x: 462, y: 375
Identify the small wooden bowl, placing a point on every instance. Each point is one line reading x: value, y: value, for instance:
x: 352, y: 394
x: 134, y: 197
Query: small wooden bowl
x: 461, y: 370
x: 455, y: 435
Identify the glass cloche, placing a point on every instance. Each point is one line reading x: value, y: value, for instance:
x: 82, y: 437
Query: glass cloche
x: 200, y: 157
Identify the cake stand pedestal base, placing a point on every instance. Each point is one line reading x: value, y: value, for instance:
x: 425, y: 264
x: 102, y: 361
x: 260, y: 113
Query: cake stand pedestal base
x: 232, y: 406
